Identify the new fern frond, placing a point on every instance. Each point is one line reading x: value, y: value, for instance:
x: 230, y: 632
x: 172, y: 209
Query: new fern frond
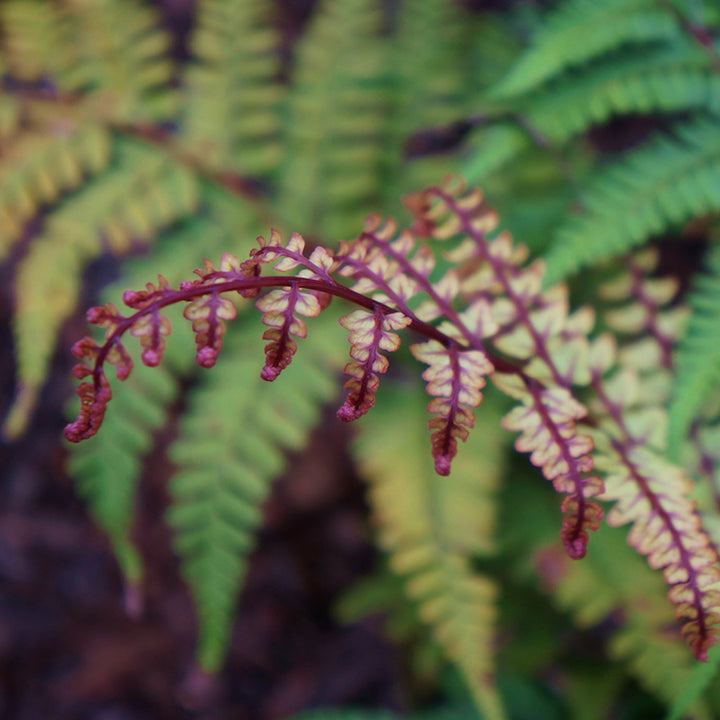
x: 484, y: 315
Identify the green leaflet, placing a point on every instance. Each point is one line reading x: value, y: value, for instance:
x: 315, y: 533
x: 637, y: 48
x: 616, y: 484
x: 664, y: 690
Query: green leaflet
x: 432, y: 527
x: 231, y: 117
x: 668, y: 78
x: 663, y: 184
x: 698, y: 367
x: 232, y: 443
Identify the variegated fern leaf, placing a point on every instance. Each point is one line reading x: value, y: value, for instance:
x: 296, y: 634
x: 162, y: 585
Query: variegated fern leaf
x: 484, y: 316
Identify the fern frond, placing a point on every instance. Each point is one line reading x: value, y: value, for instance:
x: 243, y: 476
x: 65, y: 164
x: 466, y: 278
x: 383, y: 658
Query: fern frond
x: 433, y: 526
x: 629, y: 430
x: 666, y: 183
x: 580, y: 30
x: 662, y: 79
x: 335, y: 117
x: 698, y: 369
x: 140, y: 193
x: 231, y: 116
x: 231, y: 446
x: 613, y: 581
x: 118, y: 51
x: 42, y: 163
x: 34, y: 39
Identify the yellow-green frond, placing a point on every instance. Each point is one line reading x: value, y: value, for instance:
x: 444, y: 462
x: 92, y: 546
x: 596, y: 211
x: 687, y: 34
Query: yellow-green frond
x: 433, y: 526
x: 334, y: 120
x: 40, y: 164
x: 231, y: 114
x: 141, y: 192
x: 119, y: 51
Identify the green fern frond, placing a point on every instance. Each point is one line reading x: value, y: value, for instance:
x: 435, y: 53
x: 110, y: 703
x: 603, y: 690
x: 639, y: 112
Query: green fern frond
x: 231, y: 117
x: 141, y: 192
x: 231, y: 447
x: 335, y: 116
x: 670, y: 78
x: 697, y: 362
x: 107, y: 470
x: 664, y: 184
x: 433, y: 526
x: 580, y: 30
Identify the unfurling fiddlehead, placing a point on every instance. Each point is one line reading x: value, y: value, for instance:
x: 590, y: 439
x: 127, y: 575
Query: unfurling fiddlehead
x: 480, y: 313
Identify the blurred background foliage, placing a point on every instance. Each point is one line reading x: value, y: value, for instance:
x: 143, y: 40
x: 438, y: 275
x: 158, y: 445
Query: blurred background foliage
x: 138, y: 138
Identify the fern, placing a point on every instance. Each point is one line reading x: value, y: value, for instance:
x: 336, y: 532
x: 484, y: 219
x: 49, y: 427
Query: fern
x: 226, y: 465
x: 698, y: 372
x: 544, y: 350
x: 432, y: 529
x: 581, y: 30
x: 656, y: 187
x: 337, y: 108
x: 111, y: 145
x: 231, y: 117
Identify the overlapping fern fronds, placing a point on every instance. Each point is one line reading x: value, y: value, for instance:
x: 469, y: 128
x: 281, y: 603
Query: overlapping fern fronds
x: 645, y: 57
x: 109, y: 147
